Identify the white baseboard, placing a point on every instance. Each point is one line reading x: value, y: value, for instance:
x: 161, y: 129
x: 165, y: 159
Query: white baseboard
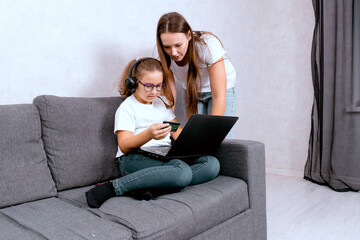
x: 285, y: 172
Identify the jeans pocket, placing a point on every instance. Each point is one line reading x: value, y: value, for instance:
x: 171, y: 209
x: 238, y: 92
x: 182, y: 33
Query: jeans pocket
x: 122, y: 171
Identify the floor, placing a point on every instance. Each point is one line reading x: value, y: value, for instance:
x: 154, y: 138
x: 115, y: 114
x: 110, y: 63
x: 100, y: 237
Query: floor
x: 299, y: 209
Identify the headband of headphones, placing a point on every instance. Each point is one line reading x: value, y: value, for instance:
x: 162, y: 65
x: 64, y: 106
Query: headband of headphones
x: 131, y: 82
x: 137, y: 61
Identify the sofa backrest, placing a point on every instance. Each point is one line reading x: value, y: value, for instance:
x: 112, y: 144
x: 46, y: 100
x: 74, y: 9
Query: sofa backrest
x: 24, y: 173
x: 79, y: 139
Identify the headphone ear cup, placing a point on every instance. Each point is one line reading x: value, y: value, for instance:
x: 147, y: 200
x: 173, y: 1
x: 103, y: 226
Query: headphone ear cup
x: 131, y: 84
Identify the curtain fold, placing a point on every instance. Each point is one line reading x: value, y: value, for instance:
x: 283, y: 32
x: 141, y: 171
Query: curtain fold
x: 334, y: 143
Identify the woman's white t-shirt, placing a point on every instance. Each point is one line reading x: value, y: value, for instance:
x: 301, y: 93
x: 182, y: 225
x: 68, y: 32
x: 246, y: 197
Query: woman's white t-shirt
x: 135, y: 117
x: 208, y: 54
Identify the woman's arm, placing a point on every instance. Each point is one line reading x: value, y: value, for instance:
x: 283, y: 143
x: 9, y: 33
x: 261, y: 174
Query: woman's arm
x: 127, y: 141
x: 217, y: 76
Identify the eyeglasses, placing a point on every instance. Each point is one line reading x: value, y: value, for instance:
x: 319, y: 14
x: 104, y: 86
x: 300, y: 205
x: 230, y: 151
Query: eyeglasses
x: 149, y: 86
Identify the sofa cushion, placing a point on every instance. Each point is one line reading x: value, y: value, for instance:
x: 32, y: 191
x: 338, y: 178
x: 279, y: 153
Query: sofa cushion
x: 182, y: 215
x: 24, y: 173
x: 10, y: 229
x: 174, y: 216
x: 76, y: 195
x: 79, y: 139
x: 54, y: 219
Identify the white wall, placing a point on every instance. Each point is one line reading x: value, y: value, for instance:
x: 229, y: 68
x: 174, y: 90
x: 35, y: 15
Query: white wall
x: 285, y: 89
x: 79, y: 48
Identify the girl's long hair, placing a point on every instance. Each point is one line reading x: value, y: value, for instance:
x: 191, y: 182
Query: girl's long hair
x: 141, y: 68
x: 174, y: 22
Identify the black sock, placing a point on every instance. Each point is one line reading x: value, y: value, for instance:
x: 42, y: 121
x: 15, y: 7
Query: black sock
x: 150, y: 193
x: 140, y: 194
x: 157, y: 192
x: 99, y: 194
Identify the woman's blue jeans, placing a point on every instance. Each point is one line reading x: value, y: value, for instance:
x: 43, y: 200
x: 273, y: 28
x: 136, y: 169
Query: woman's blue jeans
x: 205, y: 105
x: 139, y: 171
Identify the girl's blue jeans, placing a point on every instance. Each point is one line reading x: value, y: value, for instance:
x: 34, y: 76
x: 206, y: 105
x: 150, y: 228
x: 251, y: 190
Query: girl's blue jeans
x: 139, y: 171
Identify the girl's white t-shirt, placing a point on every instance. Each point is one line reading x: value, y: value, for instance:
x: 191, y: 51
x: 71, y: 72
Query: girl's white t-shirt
x: 208, y: 54
x: 135, y: 117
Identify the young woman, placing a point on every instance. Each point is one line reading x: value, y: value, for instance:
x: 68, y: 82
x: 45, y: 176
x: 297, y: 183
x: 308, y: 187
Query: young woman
x: 138, y: 122
x: 199, y: 61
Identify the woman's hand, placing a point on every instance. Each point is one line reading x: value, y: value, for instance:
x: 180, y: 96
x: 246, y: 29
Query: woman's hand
x: 159, y: 130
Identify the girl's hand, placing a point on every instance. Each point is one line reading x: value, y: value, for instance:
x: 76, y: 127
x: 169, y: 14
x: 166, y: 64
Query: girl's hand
x: 159, y: 130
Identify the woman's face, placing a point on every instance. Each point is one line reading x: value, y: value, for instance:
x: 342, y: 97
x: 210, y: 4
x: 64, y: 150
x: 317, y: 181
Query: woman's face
x: 146, y: 97
x: 175, y: 44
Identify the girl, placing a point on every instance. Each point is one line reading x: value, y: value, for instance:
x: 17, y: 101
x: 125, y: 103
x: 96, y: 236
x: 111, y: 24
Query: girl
x: 199, y: 61
x: 138, y: 122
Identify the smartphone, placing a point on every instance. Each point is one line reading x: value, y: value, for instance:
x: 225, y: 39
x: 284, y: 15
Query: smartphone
x: 174, y: 125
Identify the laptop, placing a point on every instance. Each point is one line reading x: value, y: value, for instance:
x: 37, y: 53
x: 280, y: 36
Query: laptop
x: 202, y: 135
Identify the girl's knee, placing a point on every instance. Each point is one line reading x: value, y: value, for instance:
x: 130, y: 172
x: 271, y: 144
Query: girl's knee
x: 184, y: 173
x: 212, y: 166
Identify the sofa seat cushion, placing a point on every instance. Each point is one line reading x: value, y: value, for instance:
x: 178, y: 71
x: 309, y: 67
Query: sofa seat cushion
x: 10, y: 229
x: 181, y: 215
x: 24, y: 173
x: 76, y: 195
x: 54, y: 219
x: 79, y: 139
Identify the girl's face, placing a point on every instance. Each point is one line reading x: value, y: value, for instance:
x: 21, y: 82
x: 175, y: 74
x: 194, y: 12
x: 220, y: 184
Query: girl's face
x: 147, y: 78
x: 175, y: 45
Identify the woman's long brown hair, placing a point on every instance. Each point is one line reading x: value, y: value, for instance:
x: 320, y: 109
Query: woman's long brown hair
x: 146, y: 65
x: 174, y: 22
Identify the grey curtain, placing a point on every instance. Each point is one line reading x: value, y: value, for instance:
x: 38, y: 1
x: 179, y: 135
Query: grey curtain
x: 334, y: 143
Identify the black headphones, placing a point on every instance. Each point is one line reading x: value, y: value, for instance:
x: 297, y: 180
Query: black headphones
x: 131, y: 82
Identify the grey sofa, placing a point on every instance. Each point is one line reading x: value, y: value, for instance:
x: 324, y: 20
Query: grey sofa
x: 54, y: 150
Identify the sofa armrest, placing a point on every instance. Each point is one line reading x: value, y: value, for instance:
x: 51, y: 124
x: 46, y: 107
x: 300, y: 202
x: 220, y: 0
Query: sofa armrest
x: 245, y: 159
